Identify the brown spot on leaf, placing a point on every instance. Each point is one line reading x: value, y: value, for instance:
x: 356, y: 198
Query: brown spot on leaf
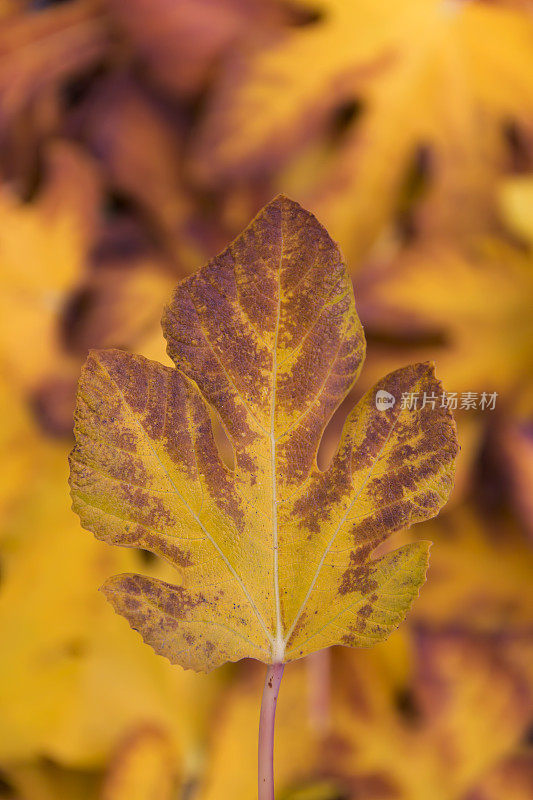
x: 365, y: 610
x: 357, y: 578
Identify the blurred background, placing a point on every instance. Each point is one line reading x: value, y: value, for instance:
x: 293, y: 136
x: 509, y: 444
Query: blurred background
x: 137, y: 138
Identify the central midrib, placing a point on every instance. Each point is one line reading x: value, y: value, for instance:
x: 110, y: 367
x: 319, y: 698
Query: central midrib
x: 278, y: 645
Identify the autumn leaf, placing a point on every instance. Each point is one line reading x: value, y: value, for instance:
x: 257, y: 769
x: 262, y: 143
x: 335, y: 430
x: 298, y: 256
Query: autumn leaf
x: 45, y: 780
x: 516, y: 203
x: 41, y: 50
x: 480, y: 572
x: 511, y: 779
x: 74, y: 678
x: 19, y: 444
x: 55, y: 612
x: 119, y: 305
x: 142, y: 769
x: 439, y: 77
x: 180, y: 45
x: 473, y: 301
x: 136, y: 140
x: 457, y: 81
x: 273, y: 558
x: 43, y: 248
x: 140, y: 148
x: 514, y: 456
x: 462, y: 665
x: 463, y: 684
x: 296, y: 77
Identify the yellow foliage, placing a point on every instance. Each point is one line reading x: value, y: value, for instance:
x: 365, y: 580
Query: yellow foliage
x: 137, y: 139
x: 74, y: 679
x: 43, y: 247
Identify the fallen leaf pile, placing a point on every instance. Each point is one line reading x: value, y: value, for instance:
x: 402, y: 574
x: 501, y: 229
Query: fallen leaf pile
x: 137, y: 139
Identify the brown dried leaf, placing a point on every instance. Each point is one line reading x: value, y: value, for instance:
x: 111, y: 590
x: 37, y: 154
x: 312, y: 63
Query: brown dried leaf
x: 40, y: 50
x: 180, y: 45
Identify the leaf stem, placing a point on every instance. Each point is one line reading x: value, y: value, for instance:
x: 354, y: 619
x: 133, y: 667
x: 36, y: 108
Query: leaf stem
x: 266, y: 731
x: 319, y: 690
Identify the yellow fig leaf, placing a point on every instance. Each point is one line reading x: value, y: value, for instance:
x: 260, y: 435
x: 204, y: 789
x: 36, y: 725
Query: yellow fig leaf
x: 43, y: 249
x: 514, y: 440
x: 511, y: 779
x: 439, y: 74
x: 19, y: 444
x: 480, y: 571
x: 123, y: 307
x: 142, y: 768
x: 476, y: 300
x: 273, y: 557
x: 464, y: 684
x: 295, y: 79
x: 45, y: 780
x: 516, y: 202
x: 457, y: 79
x: 74, y: 678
